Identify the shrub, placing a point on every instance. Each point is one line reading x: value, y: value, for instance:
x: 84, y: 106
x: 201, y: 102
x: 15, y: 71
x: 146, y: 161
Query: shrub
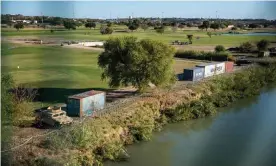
x: 215, y: 56
x: 17, y: 106
x: 219, y: 48
x: 246, y: 47
x: 263, y: 45
x: 190, y: 38
x: 209, y: 34
x: 160, y: 29
x: 106, y: 30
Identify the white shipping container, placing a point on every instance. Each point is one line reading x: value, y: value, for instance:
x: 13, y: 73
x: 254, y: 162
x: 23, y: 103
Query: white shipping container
x: 209, y: 69
x: 220, y: 68
x: 91, y: 44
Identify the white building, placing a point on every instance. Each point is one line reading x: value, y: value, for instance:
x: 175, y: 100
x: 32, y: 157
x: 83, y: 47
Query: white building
x: 230, y: 26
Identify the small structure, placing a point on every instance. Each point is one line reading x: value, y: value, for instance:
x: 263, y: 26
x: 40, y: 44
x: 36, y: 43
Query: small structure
x: 91, y: 44
x: 85, y: 104
x: 209, y: 69
x: 263, y: 54
x: 229, y: 66
x: 193, y: 74
x: 230, y: 26
x: 220, y: 68
x: 180, y: 76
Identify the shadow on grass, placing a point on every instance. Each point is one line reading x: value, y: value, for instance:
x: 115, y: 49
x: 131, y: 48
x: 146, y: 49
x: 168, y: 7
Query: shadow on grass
x: 60, y: 95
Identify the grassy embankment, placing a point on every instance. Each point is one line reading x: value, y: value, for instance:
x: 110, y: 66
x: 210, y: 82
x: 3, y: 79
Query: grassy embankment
x: 104, y: 137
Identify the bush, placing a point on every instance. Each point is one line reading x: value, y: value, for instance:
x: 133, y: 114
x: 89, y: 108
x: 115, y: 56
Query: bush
x: 209, y: 34
x: 213, y: 56
x: 263, y: 45
x: 246, y: 47
x: 16, y: 106
x: 219, y: 48
x: 160, y: 29
x: 106, y: 30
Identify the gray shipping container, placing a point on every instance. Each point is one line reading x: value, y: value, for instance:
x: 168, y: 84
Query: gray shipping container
x: 85, y: 104
x: 193, y: 74
x: 209, y: 69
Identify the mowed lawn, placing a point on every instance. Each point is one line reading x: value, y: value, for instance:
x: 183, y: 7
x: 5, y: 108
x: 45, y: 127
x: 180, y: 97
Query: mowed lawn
x: 168, y: 36
x: 58, y: 71
x: 49, y: 66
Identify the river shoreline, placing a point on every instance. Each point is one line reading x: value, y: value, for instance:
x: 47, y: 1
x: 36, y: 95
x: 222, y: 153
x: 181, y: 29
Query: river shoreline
x: 105, y: 137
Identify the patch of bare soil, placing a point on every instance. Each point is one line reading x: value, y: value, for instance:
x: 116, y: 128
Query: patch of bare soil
x: 195, y: 48
x: 82, y: 47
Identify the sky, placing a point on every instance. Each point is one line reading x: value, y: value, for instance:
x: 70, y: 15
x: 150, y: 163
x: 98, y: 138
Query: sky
x: 106, y: 10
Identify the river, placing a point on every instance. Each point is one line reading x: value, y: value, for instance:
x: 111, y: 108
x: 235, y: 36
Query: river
x: 243, y: 134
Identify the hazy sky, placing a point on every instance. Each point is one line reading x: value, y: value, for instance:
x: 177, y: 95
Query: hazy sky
x: 93, y: 9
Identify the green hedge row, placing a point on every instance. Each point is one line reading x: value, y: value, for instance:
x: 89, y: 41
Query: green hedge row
x: 201, y: 55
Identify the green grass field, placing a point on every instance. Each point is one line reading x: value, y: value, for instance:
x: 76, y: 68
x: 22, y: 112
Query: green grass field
x: 60, y: 72
x: 167, y: 37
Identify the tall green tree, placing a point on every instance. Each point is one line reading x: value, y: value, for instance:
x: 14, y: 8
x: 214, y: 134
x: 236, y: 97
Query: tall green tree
x: 262, y: 45
x: 19, y: 26
x: 144, y: 26
x: 214, y: 26
x: 190, y: 38
x: 201, y: 27
x: 206, y: 24
x: 68, y: 24
x: 90, y: 25
x: 252, y: 26
x: 127, y: 61
x: 160, y: 29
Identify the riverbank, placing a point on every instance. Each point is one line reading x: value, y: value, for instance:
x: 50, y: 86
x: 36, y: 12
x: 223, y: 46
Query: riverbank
x: 238, y: 135
x: 104, y: 138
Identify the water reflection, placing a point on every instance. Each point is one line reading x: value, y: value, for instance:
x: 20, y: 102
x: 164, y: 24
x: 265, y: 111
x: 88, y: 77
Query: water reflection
x: 240, y: 135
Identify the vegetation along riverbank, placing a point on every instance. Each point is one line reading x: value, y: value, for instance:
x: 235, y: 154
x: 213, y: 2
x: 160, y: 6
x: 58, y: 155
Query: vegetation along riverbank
x: 105, y: 137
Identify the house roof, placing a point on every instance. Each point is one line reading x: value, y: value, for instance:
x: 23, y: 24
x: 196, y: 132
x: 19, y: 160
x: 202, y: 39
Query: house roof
x: 85, y: 94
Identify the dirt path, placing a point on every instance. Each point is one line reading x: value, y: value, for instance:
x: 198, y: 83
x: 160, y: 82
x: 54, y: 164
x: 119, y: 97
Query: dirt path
x: 83, y: 47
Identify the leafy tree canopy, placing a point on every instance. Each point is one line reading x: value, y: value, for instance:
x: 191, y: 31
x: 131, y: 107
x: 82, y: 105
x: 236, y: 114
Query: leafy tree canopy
x: 127, y: 61
x: 90, y: 25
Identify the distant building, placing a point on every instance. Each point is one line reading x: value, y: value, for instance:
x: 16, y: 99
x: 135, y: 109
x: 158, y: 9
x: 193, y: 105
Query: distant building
x: 35, y: 21
x: 230, y: 26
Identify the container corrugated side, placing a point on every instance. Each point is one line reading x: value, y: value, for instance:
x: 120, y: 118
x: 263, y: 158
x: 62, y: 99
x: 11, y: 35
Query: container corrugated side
x: 229, y: 66
x: 180, y: 76
x: 93, y: 103
x: 209, y: 69
x: 220, y: 68
x: 188, y: 74
x: 198, y: 74
x: 73, y: 107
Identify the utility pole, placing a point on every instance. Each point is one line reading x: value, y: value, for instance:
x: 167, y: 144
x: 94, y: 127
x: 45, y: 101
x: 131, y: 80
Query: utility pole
x: 162, y: 17
x: 73, y: 11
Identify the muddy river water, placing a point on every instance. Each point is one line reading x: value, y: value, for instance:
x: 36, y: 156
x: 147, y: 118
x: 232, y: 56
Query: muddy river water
x: 243, y: 134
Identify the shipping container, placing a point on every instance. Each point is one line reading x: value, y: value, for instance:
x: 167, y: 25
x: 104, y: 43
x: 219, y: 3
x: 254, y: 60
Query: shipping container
x: 220, y: 68
x: 180, y: 77
x: 85, y: 104
x: 209, y: 69
x: 193, y: 74
x: 229, y: 66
